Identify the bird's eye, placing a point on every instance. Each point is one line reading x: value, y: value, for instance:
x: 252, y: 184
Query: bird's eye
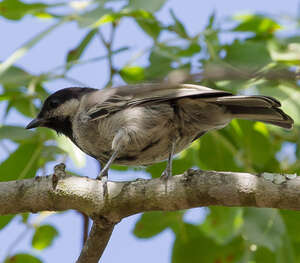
x: 53, y: 103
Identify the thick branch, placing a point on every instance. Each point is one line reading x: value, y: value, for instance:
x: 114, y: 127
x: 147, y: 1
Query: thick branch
x: 192, y: 189
x: 200, y: 188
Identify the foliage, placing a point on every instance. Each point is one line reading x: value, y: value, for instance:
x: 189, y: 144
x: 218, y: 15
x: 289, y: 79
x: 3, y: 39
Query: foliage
x: 227, y: 234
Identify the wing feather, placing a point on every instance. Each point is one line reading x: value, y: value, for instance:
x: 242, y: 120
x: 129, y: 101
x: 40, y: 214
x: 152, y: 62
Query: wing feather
x: 108, y: 101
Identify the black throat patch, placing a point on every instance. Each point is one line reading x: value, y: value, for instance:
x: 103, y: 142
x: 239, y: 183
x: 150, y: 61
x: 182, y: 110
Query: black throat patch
x: 61, y: 126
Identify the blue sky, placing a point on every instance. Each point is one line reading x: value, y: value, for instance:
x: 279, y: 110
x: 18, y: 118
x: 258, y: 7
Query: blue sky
x: 49, y: 53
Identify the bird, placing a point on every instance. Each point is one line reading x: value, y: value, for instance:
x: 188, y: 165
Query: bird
x: 143, y: 124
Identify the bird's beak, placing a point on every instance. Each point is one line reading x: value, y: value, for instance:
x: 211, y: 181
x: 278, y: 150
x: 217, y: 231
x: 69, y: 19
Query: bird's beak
x: 35, y: 123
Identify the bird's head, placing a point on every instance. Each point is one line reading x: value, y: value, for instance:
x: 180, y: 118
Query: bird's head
x: 58, y: 110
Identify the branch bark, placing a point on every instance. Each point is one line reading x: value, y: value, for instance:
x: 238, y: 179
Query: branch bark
x: 96, y: 242
x: 188, y: 190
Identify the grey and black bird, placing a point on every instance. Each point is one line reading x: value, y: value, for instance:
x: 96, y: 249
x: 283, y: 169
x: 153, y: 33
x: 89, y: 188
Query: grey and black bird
x: 147, y: 123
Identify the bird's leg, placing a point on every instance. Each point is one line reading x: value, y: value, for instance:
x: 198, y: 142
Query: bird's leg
x: 103, y: 176
x: 168, y: 171
x: 119, y: 142
x: 104, y: 168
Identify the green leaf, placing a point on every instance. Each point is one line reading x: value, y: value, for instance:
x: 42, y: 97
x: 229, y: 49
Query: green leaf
x: 15, y: 133
x: 50, y: 151
x: 258, y: 24
x: 19, y: 101
x: 44, y: 236
x: 289, y: 96
x: 132, y: 74
x: 263, y: 227
x: 92, y: 18
x: 178, y: 27
x: 223, y: 223
x: 4, y: 220
x: 253, y: 138
x: 15, y: 9
x: 76, y: 155
x: 152, y: 223
x: 193, y: 246
x: 160, y: 65
x: 150, y: 25
x: 22, y: 258
x: 217, y: 152
x: 75, y: 54
x: 22, y: 163
x: 248, y: 55
x: 289, y: 54
x: 15, y: 77
x: 192, y: 49
x: 150, y: 6
x: 291, y: 220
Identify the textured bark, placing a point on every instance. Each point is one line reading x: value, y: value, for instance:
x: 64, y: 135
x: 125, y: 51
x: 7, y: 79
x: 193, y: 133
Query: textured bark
x: 96, y: 243
x: 192, y: 189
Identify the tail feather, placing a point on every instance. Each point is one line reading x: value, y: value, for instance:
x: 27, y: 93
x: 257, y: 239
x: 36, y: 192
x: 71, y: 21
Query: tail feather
x: 257, y: 108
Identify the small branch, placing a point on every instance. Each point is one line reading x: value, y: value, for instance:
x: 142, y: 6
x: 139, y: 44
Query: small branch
x: 108, y: 45
x: 96, y: 242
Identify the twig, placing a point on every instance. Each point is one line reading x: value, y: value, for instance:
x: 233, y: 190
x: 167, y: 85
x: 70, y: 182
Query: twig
x: 108, y: 45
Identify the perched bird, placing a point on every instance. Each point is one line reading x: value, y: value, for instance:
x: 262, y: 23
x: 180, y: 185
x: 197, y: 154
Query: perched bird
x: 148, y: 123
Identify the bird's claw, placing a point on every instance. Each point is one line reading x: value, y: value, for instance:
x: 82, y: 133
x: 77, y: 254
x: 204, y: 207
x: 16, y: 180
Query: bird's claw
x: 166, y: 174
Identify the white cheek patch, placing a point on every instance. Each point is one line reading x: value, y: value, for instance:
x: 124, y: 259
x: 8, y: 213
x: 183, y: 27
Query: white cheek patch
x: 67, y: 109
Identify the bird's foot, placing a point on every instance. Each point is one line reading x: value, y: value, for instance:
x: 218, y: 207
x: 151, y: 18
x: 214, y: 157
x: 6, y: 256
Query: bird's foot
x: 103, y: 177
x: 167, y: 173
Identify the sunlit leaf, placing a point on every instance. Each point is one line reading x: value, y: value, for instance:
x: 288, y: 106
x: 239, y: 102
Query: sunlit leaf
x: 132, y: 74
x: 259, y: 24
x: 92, y: 18
x: 5, y: 220
x: 44, y: 236
x: 290, y: 54
x: 22, y: 258
x: 15, y: 9
x: 76, y: 155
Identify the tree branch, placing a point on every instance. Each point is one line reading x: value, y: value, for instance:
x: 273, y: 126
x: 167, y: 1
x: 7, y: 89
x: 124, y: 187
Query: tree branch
x: 96, y: 242
x: 192, y: 189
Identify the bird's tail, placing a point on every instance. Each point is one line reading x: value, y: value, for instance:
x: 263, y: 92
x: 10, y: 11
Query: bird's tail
x: 257, y: 108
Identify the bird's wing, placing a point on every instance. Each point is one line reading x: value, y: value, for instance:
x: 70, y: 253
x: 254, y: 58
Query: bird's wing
x: 107, y: 101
